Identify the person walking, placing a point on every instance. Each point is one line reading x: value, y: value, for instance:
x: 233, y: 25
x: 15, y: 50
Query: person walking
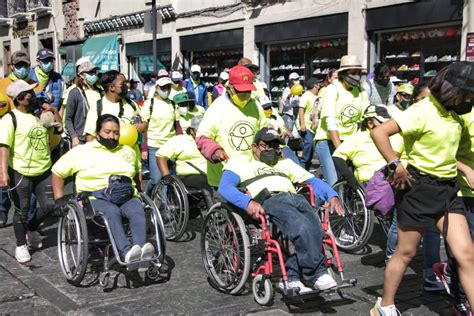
x: 194, y: 84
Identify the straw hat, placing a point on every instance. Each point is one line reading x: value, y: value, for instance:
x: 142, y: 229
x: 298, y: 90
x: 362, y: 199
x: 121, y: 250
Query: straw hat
x: 350, y: 62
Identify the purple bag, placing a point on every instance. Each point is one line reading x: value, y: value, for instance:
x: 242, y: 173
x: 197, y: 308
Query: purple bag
x: 379, y: 195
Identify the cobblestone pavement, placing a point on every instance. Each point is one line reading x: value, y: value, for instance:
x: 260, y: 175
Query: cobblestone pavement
x: 39, y: 287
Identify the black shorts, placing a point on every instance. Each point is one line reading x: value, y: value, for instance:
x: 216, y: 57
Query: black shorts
x: 427, y: 200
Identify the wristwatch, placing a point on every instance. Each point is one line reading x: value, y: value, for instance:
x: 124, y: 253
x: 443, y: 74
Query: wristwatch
x: 392, y: 165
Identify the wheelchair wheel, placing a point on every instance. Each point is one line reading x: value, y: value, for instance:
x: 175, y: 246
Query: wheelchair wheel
x: 173, y: 205
x: 262, y: 290
x: 353, y: 231
x: 73, y: 243
x: 225, y: 249
x: 156, y: 225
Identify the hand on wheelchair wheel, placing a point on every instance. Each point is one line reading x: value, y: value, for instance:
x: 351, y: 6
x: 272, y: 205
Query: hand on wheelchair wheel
x: 167, y: 180
x: 254, y: 209
x: 334, y: 205
x: 60, y: 207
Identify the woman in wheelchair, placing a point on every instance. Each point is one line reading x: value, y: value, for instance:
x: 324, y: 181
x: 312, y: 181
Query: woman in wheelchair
x: 191, y: 166
x: 269, y: 179
x: 104, y: 172
x: 360, y: 150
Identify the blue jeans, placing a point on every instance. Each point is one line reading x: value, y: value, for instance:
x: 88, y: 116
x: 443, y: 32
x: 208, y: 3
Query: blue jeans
x: 456, y: 288
x: 155, y: 174
x: 288, y: 153
x: 5, y: 202
x: 431, y: 245
x: 133, y: 211
x: 308, y: 150
x: 297, y: 221
x: 325, y: 149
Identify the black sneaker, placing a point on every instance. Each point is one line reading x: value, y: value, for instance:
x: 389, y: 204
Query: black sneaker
x: 461, y: 309
x: 433, y: 284
x: 3, y: 219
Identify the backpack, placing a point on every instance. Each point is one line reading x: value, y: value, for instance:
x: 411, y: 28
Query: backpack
x: 15, y: 124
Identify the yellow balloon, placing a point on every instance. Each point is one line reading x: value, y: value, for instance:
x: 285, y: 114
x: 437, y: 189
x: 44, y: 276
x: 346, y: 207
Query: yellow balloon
x: 54, y: 140
x: 128, y: 135
x: 297, y: 89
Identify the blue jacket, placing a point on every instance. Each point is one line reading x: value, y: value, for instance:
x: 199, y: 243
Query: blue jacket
x: 201, y: 99
x: 55, y: 86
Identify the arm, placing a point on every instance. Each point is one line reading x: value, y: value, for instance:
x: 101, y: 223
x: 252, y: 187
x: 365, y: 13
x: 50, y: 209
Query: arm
x: 179, y: 130
x: 228, y: 190
x: 58, y: 186
x: 4, y: 156
x: 334, y: 134
x: 345, y: 172
x: 210, y: 148
x: 71, y: 106
x: 301, y: 119
x: 468, y: 172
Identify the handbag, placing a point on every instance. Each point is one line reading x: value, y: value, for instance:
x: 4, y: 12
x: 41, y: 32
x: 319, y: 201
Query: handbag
x: 379, y: 194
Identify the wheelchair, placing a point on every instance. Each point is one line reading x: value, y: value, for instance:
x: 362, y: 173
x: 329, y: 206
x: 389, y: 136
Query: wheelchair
x: 174, y: 202
x: 353, y: 232
x: 235, y: 246
x: 83, y: 231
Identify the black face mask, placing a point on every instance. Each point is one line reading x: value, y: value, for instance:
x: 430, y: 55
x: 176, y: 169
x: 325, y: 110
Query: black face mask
x: 108, y: 143
x: 405, y: 104
x: 269, y: 157
x: 123, y: 90
x: 195, y: 76
x: 382, y: 82
x: 462, y: 108
x: 352, y: 80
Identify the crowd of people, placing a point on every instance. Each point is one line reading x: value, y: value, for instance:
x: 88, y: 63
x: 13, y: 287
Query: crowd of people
x: 231, y: 135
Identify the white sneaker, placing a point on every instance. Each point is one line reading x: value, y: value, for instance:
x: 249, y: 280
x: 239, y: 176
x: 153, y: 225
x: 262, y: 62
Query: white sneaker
x: 147, y: 251
x: 325, y: 282
x: 295, y: 285
x: 22, y: 254
x: 133, y: 254
x: 378, y: 310
x: 33, y: 239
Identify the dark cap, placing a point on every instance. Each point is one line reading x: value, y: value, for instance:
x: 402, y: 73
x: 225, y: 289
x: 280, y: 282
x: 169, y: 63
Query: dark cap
x: 20, y: 56
x: 379, y: 112
x: 44, y: 53
x: 191, y: 96
x: 268, y: 134
x: 461, y: 75
x: 312, y: 82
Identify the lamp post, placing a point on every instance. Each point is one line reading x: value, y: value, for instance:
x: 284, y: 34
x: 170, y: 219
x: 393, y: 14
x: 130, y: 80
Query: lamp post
x: 153, y: 32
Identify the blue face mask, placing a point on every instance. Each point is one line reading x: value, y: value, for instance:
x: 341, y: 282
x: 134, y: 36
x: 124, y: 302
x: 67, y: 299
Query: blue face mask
x: 21, y: 72
x: 47, y: 67
x: 91, y: 79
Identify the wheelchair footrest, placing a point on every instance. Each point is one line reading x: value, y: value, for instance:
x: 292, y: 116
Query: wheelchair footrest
x: 347, y: 283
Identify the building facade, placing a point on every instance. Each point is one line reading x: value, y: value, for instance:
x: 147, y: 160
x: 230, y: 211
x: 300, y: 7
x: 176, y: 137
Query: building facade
x: 415, y: 38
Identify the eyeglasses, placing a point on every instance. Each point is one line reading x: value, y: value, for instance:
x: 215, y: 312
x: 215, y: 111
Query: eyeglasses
x: 266, y: 147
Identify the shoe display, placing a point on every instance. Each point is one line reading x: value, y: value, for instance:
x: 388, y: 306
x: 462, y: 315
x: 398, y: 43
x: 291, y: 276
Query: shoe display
x: 433, y: 284
x: 440, y: 270
x: 316, y: 60
x: 403, y: 68
x: 403, y: 55
x: 430, y: 73
x: 378, y: 310
x: 295, y: 285
x: 280, y: 78
x: 34, y: 240
x: 274, y: 89
x: 416, y: 54
x: 22, y: 255
x: 414, y: 67
x: 446, y: 58
x: 325, y: 282
x: 431, y: 59
x: 317, y: 71
x: 391, y: 56
x: 325, y: 71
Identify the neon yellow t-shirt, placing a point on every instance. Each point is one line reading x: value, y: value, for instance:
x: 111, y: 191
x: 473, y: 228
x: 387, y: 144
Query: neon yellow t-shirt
x: 465, y: 152
x: 233, y: 129
x: 161, y: 123
x: 282, y: 176
x: 29, y: 149
x: 431, y: 136
x: 183, y: 148
x: 174, y: 91
x: 307, y: 103
x: 347, y: 107
x: 108, y: 108
x: 185, y: 121
x: 360, y: 149
x: 93, y: 164
x: 259, y: 91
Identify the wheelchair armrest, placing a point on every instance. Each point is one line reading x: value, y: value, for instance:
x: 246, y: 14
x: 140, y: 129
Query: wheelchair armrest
x: 305, y: 186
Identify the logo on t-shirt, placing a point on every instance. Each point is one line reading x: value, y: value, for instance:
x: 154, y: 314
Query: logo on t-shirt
x: 349, y: 115
x: 241, y: 136
x: 37, y: 138
x: 269, y: 171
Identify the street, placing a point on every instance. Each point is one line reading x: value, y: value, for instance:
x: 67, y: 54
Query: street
x: 39, y: 287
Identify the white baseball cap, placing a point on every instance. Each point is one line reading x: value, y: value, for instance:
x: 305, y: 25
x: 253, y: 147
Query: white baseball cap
x: 82, y: 60
x: 294, y: 76
x: 196, y: 68
x: 176, y: 76
x: 224, y: 76
x: 163, y: 81
x: 19, y: 86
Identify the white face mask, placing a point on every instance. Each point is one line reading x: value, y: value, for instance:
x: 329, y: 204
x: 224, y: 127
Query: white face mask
x: 183, y: 110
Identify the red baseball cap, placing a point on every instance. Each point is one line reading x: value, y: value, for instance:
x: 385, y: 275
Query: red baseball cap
x: 241, y: 78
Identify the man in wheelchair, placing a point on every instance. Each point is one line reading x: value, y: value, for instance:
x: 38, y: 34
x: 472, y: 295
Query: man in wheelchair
x: 270, y: 180
x: 104, y: 171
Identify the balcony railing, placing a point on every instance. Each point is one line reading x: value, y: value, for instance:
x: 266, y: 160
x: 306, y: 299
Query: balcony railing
x: 39, y: 6
x: 17, y: 8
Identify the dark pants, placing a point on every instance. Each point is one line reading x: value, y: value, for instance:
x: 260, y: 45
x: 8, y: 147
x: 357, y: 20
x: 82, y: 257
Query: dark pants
x: 5, y: 203
x: 21, y: 196
x: 456, y: 288
x: 308, y: 150
x: 298, y: 222
x: 133, y: 211
x: 198, y: 181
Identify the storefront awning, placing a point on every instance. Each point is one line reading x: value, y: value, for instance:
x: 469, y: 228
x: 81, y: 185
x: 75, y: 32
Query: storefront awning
x: 146, y: 48
x: 103, y: 52
x: 146, y: 64
x: 320, y: 26
x: 414, y: 13
x: 213, y: 41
